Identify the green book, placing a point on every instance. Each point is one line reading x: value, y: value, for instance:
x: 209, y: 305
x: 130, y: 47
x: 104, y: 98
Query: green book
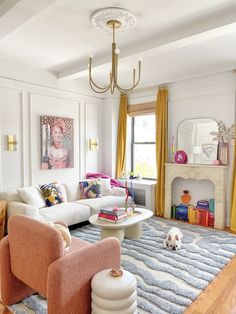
x: 212, y: 205
x: 173, y: 211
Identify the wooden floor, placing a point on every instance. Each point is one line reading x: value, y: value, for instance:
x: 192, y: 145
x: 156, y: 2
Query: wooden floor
x: 220, y: 296
x: 4, y: 310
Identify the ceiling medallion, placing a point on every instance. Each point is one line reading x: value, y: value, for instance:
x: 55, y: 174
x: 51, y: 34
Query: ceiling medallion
x: 112, y: 19
x: 100, y: 18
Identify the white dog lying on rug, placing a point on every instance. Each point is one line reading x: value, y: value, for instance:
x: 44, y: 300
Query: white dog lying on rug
x: 173, y: 239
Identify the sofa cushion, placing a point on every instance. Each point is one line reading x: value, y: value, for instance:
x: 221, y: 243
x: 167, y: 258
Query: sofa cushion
x: 106, y: 201
x: 32, y: 196
x: 71, y: 213
x: 72, y: 191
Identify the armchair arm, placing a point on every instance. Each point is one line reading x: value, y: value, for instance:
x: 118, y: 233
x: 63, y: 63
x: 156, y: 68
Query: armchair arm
x: 22, y: 208
x: 69, y: 278
x: 12, y: 289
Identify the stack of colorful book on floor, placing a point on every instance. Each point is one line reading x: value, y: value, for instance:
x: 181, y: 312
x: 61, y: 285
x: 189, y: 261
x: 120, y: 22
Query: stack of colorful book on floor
x: 203, y: 214
x: 112, y: 215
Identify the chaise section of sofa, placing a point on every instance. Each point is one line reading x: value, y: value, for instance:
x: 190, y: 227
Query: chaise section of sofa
x: 28, y: 201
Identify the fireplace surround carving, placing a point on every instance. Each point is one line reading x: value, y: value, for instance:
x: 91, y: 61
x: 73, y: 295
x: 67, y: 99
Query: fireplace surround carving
x: 216, y: 174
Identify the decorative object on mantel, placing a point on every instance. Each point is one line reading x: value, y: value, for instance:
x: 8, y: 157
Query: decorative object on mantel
x: 181, y: 157
x: 224, y: 136
x: 173, y: 148
x: 110, y: 19
x: 209, y: 153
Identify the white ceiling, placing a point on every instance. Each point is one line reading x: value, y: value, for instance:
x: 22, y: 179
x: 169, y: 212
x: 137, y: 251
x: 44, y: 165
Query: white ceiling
x: 177, y: 39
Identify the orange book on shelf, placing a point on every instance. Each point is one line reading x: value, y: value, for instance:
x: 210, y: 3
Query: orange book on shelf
x: 199, y: 216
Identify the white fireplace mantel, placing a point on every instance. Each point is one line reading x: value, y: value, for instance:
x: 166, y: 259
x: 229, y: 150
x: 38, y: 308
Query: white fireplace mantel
x: 216, y: 174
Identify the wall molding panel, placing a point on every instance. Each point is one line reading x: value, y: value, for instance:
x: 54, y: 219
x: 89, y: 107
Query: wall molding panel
x: 21, y: 104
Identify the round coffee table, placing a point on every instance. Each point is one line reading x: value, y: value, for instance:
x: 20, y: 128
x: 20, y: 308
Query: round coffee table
x: 129, y: 228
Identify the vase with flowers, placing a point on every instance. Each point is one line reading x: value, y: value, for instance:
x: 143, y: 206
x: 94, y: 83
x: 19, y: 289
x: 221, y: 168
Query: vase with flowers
x: 224, y: 136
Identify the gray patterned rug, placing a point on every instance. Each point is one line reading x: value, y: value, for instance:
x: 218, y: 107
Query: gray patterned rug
x: 168, y: 281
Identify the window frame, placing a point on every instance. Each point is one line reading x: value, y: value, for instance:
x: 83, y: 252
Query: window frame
x: 137, y: 143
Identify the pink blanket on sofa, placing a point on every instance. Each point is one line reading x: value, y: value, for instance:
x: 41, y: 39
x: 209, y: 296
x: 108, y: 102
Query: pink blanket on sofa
x: 114, y: 182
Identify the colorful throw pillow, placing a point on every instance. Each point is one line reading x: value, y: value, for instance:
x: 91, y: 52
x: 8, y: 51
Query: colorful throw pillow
x: 90, y: 189
x: 51, y: 193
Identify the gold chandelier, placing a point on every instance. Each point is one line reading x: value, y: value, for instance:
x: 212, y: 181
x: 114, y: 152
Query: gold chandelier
x: 113, y: 76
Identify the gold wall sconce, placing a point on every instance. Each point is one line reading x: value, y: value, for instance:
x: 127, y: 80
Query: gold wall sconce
x: 93, y: 144
x: 11, y: 143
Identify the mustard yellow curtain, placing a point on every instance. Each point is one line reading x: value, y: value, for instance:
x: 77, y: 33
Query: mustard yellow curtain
x: 121, y: 136
x: 161, y: 147
x: 233, y: 196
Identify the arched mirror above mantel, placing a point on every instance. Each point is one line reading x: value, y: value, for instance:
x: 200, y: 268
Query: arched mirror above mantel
x: 193, y: 136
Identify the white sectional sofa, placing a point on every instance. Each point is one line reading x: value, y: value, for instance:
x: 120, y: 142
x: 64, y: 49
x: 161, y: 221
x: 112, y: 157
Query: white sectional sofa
x: 28, y: 201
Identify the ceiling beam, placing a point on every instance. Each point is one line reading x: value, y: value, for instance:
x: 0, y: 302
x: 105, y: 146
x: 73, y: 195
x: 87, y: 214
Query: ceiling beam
x: 185, y: 36
x: 15, y: 13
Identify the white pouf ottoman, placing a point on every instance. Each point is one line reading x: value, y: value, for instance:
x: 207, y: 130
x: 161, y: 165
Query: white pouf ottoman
x: 114, y: 295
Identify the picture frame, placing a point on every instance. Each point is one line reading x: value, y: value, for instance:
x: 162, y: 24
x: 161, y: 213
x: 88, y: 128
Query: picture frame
x: 57, y: 142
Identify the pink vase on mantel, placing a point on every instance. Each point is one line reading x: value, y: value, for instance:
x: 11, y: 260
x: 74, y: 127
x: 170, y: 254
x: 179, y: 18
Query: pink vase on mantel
x: 223, y: 153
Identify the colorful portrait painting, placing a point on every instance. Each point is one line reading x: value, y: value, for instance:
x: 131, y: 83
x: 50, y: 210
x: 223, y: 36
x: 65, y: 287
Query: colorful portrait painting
x: 57, y: 142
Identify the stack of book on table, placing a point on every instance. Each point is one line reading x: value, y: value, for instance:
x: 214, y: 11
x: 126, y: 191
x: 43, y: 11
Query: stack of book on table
x: 111, y: 215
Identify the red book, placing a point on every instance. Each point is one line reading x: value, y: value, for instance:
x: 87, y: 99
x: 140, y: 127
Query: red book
x: 107, y: 216
x: 205, y: 215
x: 211, y: 219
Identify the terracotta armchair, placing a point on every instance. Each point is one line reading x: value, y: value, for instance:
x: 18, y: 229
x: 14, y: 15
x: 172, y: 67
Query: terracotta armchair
x: 32, y: 260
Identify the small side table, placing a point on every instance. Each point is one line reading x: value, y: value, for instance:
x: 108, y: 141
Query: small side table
x: 114, y: 294
x: 3, y: 210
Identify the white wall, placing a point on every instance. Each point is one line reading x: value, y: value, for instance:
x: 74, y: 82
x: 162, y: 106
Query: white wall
x: 25, y: 95
x: 211, y: 96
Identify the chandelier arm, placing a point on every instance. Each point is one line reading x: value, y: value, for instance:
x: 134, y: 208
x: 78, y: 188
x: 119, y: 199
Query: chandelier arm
x: 134, y: 85
x: 91, y: 79
x: 124, y: 90
x: 98, y: 91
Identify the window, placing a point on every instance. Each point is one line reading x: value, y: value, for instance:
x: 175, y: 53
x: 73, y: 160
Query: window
x: 142, y: 145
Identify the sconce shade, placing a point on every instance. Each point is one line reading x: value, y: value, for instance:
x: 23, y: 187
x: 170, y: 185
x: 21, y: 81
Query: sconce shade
x: 11, y: 142
x: 93, y: 144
